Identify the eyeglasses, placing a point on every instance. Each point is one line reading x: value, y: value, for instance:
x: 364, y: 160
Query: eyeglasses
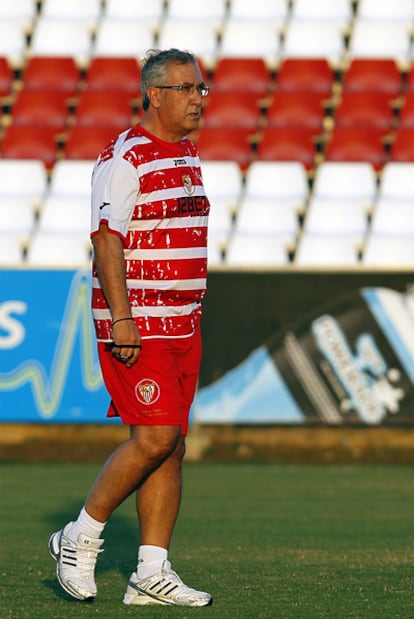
x: 188, y: 89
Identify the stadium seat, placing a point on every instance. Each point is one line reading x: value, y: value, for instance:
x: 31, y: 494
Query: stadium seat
x: 409, y: 81
x: 119, y: 73
x: 288, y: 144
x: 406, y: 116
x: 149, y: 12
x: 257, y: 251
x: 87, y: 11
x: 6, y: 77
x: 391, y: 217
x: 220, y: 220
x: 213, y: 11
x: 326, y: 251
x: 380, y: 39
x: 22, y: 12
x: 260, y: 217
x: 55, y: 249
x: 229, y: 109
x: 123, y: 38
x: 30, y: 142
x: 305, y: 74
x: 71, y: 178
x: 348, y: 182
x: 242, y: 75
x: 251, y: 39
x: 198, y: 36
x: 11, y: 249
x: 110, y: 108
x: 215, y: 250
x: 40, y: 107
x: 222, y: 180
x: 283, y: 182
x: 275, y: 12
x: 13, y: 42
x: 225, y: 144
x: 397, y: 182
x: 65, y: 214
x: 325, y: 217
x: 12, y: 171
x: 87, y: 142
x: 314, y: 39
x: 389, y: 251
x: 402, y: 147
x: 357, y: 144
x: 53, y: 73
x: 397, y: 10
x: 365, y: 109
x: 373, y: 75
x: 296, y: 108
x: 339, y: 11
x: 223, y: 184
x: 62, y: 37
x: 17, y: 216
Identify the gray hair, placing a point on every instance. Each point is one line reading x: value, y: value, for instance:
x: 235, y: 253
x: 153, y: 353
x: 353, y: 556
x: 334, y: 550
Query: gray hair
x: 154, y: 68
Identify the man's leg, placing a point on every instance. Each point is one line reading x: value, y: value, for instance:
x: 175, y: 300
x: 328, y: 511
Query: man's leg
x: 132, y: 463
x: 76, y: 547
x: 158, y: 500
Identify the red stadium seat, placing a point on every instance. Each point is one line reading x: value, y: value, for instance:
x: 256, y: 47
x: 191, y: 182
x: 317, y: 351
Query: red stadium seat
x: 373, y: 74
x: 296, y: 108
x: 365, y: 109
x: 288, y: 144
x: 121, y: 73
x: 6, y: 77
x: 40, y: 107
x: 230, y: 109
x: 109, y: 108
x: 242, y: 75
x: 225, y: 144
x: 357, y: 144
x: 87, y: 142
x: 407, y: 110
x: 30, y: 142
x: 55, y: 73
x: 402, y: 149
x: 305, y: 74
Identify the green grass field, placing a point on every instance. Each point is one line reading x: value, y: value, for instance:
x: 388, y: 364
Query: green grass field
x: 268, y: 541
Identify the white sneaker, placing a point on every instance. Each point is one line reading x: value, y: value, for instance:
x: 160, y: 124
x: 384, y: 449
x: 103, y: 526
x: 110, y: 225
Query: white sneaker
x: 165, y: 588
x: 75, y: 562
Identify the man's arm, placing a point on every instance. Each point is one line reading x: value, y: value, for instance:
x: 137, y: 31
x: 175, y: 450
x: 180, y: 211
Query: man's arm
x: 109, y: 260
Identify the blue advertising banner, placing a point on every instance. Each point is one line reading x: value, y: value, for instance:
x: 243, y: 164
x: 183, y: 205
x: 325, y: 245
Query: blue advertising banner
x: 348, y: 362
x: 49, y: 370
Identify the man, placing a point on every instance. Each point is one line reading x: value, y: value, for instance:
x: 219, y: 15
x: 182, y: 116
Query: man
x: 149, y: 233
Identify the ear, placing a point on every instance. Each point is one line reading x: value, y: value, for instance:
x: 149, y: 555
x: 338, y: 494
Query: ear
x: 154, y: 96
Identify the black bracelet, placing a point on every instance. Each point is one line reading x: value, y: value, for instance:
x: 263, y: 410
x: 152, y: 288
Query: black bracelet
x: 111, y: 345
x: 120, y: 320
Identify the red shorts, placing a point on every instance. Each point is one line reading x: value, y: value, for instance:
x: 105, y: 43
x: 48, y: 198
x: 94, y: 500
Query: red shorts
x: 160, y: 387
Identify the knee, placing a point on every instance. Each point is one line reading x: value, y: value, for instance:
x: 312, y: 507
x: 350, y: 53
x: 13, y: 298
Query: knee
x: 158, y: 442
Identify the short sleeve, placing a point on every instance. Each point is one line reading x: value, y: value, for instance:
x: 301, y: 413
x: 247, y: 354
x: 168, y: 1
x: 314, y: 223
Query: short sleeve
x: 115, y: 186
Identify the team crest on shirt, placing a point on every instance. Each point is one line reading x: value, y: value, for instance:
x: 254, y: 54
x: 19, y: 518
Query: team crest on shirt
x: 188, y: 184
x: 147, y: 391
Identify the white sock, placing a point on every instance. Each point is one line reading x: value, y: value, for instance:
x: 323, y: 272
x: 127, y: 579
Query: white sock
x: 150, y: 560
x: 87, y: 525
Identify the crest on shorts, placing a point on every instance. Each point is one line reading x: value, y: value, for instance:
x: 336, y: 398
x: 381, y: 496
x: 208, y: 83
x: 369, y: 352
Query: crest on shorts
x: 188, y: 184
x: 147, y: 391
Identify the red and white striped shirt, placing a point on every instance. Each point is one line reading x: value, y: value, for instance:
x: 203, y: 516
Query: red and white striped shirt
x: 151, y: 194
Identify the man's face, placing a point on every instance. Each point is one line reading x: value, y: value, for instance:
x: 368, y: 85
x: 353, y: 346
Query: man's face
x: 180, y: 110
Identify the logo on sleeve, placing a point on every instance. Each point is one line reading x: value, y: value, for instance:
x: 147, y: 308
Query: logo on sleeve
x: 147, y: 391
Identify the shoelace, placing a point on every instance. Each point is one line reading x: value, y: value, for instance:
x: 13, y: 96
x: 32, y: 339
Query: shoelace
x: 81, y: 559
